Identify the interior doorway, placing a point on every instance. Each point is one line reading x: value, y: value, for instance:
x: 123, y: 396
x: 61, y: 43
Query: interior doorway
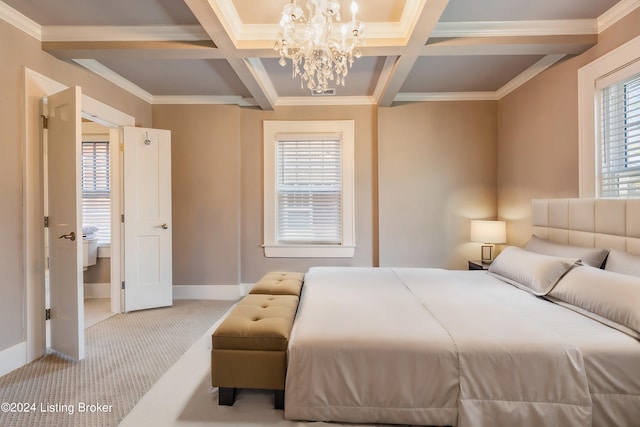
x: 95, y: 183
x: 36, y: 87
x: 80, y: 161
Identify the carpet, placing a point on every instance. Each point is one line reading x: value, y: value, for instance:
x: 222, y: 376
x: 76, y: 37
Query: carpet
x: 183, y: 397
x: 124, y: 356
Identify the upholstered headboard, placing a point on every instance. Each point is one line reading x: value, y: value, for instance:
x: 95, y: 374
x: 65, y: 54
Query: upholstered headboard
x: 599, y: 223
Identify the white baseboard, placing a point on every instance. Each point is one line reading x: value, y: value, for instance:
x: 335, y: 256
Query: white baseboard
x: 97, y: 290
x: 220, y: 292
x: 13, y: 358
x: 246, y: 287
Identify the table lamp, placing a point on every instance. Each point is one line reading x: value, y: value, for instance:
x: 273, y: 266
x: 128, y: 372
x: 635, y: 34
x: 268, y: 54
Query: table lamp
x: 488, y: 233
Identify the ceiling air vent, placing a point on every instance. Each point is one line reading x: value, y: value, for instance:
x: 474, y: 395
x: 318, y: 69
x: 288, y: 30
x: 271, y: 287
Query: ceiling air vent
x: 329, y: 92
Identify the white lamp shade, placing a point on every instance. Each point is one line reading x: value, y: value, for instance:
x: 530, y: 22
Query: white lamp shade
x: 488, y: 231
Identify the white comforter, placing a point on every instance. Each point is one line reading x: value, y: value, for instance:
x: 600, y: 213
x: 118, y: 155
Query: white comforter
x: 428, y: 347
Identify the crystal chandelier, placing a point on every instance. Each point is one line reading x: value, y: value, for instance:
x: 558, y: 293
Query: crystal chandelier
x: 319, y: 48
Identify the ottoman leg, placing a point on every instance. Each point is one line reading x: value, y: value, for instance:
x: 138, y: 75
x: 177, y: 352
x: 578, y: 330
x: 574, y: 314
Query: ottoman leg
x: 279, y: 404
x: 226, y: 396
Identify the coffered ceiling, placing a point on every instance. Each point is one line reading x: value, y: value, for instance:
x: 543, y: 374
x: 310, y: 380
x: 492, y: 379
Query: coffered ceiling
x: 221, y: 51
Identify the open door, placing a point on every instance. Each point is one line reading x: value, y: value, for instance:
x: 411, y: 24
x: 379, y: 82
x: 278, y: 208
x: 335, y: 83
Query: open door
x: 65, y: 222
x: 148, y: 270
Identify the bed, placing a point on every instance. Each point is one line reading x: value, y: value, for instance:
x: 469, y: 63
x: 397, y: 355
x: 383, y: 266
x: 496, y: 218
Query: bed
x: 537, y: 340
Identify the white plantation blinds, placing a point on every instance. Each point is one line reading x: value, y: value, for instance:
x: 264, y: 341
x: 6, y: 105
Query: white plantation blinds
x: 96, y: 187
x: 620, y: 154
x: 309, y: 189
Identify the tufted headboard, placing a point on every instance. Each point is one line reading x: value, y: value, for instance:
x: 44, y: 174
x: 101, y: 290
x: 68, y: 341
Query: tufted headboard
x: 599, y: 223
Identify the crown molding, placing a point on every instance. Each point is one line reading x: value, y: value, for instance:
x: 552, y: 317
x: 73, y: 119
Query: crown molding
x: 240, y: 32
x: 237, y: 30
x: 100, y: 33
x: 268, y: 32
x: 616, y: 13
x: 410, y: 15
x: 509, y: 87
x: 21, y: 22
x: 229, y: 18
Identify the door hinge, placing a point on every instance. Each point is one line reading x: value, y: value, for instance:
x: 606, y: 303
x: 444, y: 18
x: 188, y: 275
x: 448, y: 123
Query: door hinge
x: 45, y: 122
x: 122, y: 218
x: 123, y: 284
x: 47, y: 314
x: 46, y: 222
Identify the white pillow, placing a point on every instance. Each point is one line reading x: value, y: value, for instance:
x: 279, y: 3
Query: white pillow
x: 530, y: 271
x: 590, y: 256
x: 610, y: 298
x: 623, y: 262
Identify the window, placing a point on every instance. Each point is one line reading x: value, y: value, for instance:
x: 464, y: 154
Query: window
x: 609, y: 123
x: 620, y: 138
x: 96, y: 189
x: 308, y: 208
x: 309, y: 189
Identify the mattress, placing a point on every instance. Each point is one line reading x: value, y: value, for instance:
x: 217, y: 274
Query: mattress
x: 459, y: 348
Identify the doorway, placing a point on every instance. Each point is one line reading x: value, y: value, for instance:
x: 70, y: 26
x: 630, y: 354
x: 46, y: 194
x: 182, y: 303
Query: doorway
x: 36, y: 87
x: 145, y: 202
x: 78, y: 155
x: 96, y: 221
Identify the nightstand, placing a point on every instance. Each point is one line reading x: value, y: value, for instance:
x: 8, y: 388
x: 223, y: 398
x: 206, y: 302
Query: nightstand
x: 478, y: 265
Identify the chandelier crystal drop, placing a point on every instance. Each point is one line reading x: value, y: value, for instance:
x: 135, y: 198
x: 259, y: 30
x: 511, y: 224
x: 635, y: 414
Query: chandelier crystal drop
x: 321, y: 49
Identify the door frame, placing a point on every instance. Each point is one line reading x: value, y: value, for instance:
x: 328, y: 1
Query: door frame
x: 36, y: 86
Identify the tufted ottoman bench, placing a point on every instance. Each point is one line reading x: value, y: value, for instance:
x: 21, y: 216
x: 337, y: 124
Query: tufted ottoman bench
x: 249, y: 347
x: 279, y: 283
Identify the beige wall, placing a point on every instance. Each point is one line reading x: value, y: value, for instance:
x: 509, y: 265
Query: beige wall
x: 217, y: 170
x: 437, y: 170
x: 20, y: 50
x: 205, y: 170
x: 217, y: 176
x: 538, y: 134
x: 253, y: 262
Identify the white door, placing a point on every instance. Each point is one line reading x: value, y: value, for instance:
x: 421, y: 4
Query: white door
x: 65, y: 222
x: 147, y: 218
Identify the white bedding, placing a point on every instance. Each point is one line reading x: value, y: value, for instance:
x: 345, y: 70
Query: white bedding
x: 460, y: 348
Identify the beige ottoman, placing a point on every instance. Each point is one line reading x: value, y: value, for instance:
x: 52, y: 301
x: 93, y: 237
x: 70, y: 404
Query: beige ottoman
x: 279, y: 283
x: 249, y: 347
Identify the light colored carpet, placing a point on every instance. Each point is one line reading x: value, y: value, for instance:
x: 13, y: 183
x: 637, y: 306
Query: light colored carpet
x: 183, y: 397
x: 125, y: 355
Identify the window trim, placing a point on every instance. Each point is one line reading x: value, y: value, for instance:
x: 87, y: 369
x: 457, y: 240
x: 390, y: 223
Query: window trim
x: 346, y: 128
x: 622, y: 148
x: 589, y: 76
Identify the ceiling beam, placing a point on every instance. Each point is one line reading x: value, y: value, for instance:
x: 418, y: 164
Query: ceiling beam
x: 207, y: 17
x: 54, y: 33
x: 509, y: 45
x: 422, y: 29
x: 134, y: 49
x: 425, y: 36
x: 385, y: 77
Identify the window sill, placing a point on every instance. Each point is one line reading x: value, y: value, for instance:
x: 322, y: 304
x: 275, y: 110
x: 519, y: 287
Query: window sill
x: 309, y: 251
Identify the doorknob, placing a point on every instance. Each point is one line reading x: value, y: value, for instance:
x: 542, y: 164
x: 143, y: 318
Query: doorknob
x: 71, y: 236
x: 163, y: 226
